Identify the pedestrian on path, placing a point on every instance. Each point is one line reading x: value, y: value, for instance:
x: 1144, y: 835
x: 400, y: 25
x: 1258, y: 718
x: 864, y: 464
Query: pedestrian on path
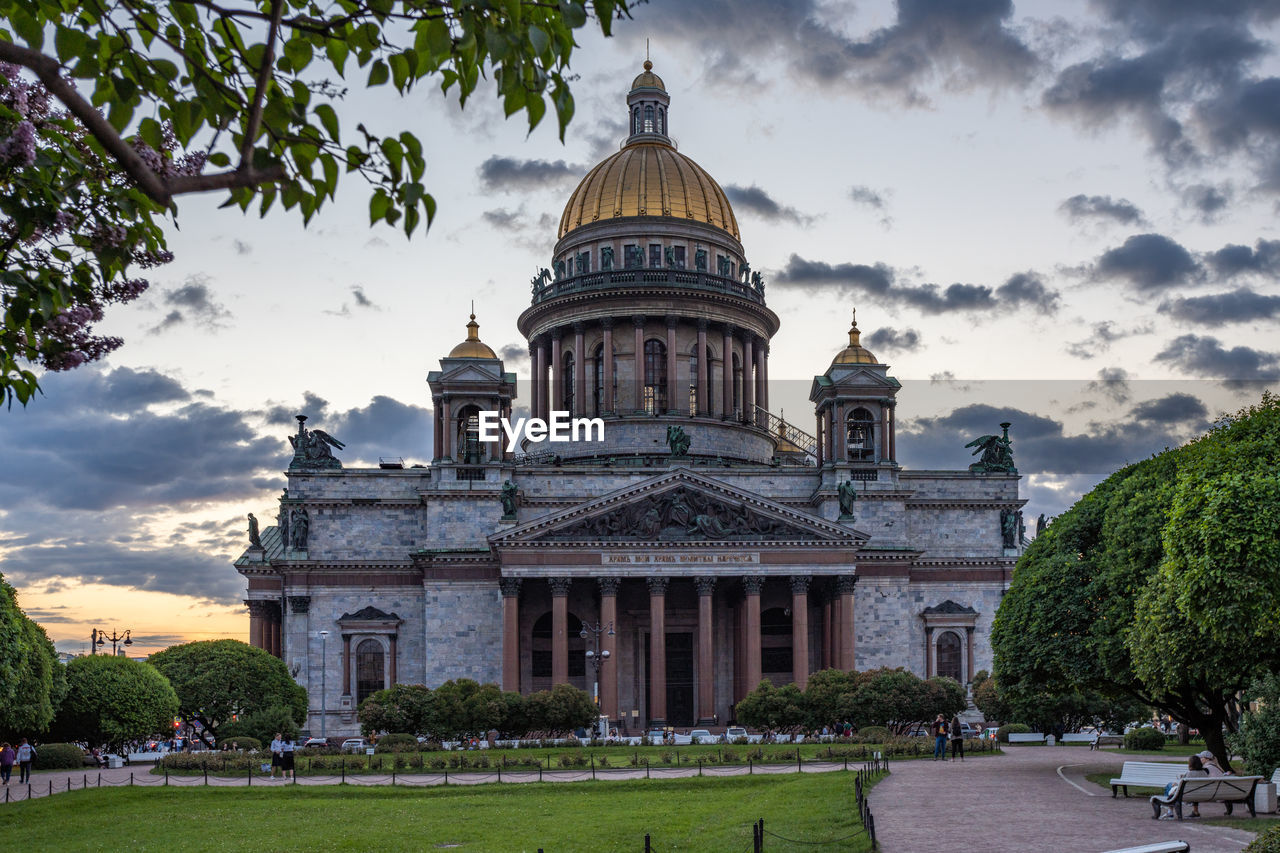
x: 957, y: 738
x: 286, y: 757
x: 277, y: 753
x: 7, y: 757
x: 26, y: 754
x: 940, y: 739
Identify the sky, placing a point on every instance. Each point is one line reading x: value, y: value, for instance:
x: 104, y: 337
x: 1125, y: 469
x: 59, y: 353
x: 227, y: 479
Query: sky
x: 1060, y: 214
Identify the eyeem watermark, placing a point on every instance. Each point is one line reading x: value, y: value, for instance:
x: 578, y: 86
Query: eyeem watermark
x: 561, y: 427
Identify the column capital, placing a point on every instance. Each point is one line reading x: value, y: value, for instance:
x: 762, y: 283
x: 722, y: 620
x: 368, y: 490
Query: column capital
x: 672, y: 321
x: 705, y: 585
x: 299, y: 603
x: 609, y: 585
x: 968, y: 629
x: 752, y: 584
x: 730, y: 329
x: 258, y: 608
x: 556, y: 334
x: 845, y: 584
x: 637, y: 320
x: 606, y: 322
x: 579, y: 327
x: 800, y: 584
x: 658, y: 586
x: 510, y: 587
x: 703, y: 324
x: 559, y: 586
x: 439, y: 401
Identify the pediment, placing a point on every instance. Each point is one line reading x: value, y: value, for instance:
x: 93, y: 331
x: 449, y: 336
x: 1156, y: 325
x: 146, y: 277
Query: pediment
x: 369, y: 614
x: 468, y: 371
x: 680, y: 507
x: 861, y: 377
x: 950, y: 608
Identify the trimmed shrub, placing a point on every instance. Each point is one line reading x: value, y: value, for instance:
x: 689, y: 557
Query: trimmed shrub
x: 399, y: 742
x: 872, y: 734
x: 243, y: 743
x: 1266, y: 842
x: 1147, y: 738
x: 1002, y: 733
x: 59, y: 756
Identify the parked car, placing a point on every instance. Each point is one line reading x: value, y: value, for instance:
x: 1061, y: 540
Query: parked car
x: 315, y: 742
x: 968, y: 730
x: 701, y: 736
x: 355, y: 744
x: 733, y: 733
x: 657, y: 736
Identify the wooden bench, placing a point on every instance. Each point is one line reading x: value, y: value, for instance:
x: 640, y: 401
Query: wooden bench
x: 1147, y: 774
x: 1158, y: 847
x: 1107, y: 740
x: 1026, y: 737
x: 1213, y: 789
x: 1078, y: 737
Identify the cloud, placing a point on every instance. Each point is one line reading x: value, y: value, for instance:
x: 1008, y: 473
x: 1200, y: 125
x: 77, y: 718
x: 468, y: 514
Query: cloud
x: 894, y: 340
x: 1176, y: 408
x: 1021, y: 290
x: 1112, y: 382
x: 867, y: 197
x: 1206, y: 356
x: 361, y: 299
x: 1104, y: 334
x: 513, y: 354
x: 1219, y: 309
x: 241, y: 247
x: 1101, y: 207
x: 1208, y: 201
x: 754, y: 200
x: 1147, y: 262
x: 1233, y: 260
x: 508, y: 174
x: 384, y: 428
x: 192, y: 301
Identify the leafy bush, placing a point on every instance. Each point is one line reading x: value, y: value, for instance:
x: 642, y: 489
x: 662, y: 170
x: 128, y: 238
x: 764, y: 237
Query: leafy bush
x: 872, y: 734
x: 1002, y: 733
x: 1266, y: 842
x: 262, y: 725
x: 1258, y: 740
x: 1147, y: 738
x: 400, y: 742
x: 243, y: 743
x: 59, y: 756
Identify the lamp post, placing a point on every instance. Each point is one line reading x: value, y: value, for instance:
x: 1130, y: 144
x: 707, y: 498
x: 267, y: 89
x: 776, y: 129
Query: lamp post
x: 324, y: 660
x: 596, y: 656
x: 100, y: 638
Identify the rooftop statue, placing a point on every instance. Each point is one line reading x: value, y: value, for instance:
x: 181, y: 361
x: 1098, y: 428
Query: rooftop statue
x: 997, y: 453
x: 606, y: 259
x: 312, y: 447
x: 678, y: 440
x: 508, y: 497
x: 540, y: 280
x: 848, y: 495
x: 255, y: 538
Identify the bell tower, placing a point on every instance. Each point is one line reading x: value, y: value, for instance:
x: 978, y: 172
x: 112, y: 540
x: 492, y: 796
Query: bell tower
x: 470, y: 380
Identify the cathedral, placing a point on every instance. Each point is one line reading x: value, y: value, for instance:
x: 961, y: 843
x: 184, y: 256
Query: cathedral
x: 668, y: 562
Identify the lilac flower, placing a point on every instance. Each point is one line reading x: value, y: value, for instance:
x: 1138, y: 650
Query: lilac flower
x: 20, y: 148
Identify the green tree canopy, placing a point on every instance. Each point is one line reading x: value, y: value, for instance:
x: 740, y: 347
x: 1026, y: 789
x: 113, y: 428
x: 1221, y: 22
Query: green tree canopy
x: 563, y: 708
x: 111, y: 700
x: 1162, y: 585
x: 251, y: 87
x: 399, y: 708
x: 218, y: 679
x: 769, y: 707
x: 32, y: 681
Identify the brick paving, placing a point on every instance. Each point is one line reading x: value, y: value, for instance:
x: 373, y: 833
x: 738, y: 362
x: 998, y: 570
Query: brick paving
x: 1025, y: 801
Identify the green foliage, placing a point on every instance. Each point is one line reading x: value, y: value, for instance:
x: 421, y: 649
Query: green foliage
x: 872, y: 734
x: 220, y: 679
x: 1258, y: 741
x: 398, y: 742
x: 400, y: 708
x: 258, y: 85
x: 1267, y: 841
x: 112, y: 699
x: 32, y: 681
x: 769, y: 707
x: 1002, y: 733
x: 563, y: 708
x: 1144, y: 738
x: 59, y: 756
x: 900, y: 700
x: 458, y: 709
x: 242, y: 743
x: 262, y: 725
x: 826, y: 694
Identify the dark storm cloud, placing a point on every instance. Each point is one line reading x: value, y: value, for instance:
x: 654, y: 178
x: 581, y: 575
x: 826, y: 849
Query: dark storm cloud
x: 1103, y: 335
x: 1233, y: 260
x: 754, y: 200
x: 894, y: 340
x: 1172, y: 409
x: 1022, y: 290
x: 1147, y: 262
x: 1219, y: 309
x: 192, y: 301
x: 509, y: 174
x: 1085, y: 207
x: 181, y: 571
x: 958, y: 44
x: 513, y: 354
x: 384, y: 428
x: 1206, y: 356
x: 504, y: 219
x: 1112, y: 382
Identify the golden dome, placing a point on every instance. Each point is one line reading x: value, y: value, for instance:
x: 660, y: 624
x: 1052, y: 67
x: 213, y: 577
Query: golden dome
x: 472, y: 347
x: 855, y: 353
x: 647, y: 79
x: 648, y: 178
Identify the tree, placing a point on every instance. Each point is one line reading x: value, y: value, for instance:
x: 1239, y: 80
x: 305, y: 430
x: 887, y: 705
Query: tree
x: 262, y: 725
x: 825, y: 696
x: 1161, y: 585
x: 112, y: 700
x: 399, y: 708
x: 563, y: 708
x: 218, y: 679
x: 1258, y: 741
x: 251, y: 86
x: 899, y: 700
x: 32, y: 681
x: 769, y: 707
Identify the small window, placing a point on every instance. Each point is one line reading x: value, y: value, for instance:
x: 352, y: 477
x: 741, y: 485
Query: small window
x: 655, y: 377
x: 949, y: 656
x: 861, y: 435
x: 700, y: 260
x: 655, y: 255
x: 633, y: 257
x: 648, y: 119
x: 597, y: 373
x: 584, y: 262
x: 662, y: 120
x: 679, y: 256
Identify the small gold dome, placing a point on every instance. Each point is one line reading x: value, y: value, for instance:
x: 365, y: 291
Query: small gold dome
x: 648, y: 178
x: 647, y: 79
x: 472, y: 347
x: 855, y: 352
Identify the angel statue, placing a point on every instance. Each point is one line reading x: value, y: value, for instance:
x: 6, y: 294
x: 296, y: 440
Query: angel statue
x: 312, y: 447
x: 678, y: 440
x: 997, y: 453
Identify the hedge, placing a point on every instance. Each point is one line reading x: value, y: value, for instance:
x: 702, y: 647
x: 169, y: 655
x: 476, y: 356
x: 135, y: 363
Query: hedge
x: 59, y: 756
x: 1002, y: 733
x: 399, y: 742
x: 1146, y: 738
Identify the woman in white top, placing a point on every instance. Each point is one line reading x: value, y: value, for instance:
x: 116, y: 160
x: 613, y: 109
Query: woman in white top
x: 277, y: 753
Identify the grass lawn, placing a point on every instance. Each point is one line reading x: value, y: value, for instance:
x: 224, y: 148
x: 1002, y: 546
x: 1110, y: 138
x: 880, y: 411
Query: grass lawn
x: 701, y: 814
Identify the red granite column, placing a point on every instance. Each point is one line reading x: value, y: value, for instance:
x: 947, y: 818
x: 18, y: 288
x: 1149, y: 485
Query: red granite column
x: 510, y: 633
x: 883, y: 445
x: 559, y: 630
x: 394, y: 654
x: 557, y: 381
x: 638, y: 380
x: 752, y: 674
x: 727, y: 379
x: 928, y: 652
x: 706, y: 653
x: 893, y: 431
x: 821, y: 436
x: 800, y: 630
x: 764, y: 376
x: 840, y: 433
x: 346, y: 664
x: 274, y: 622
x: 609, y: 643
x: 657, y: 651
x: 437, y: 440
x: 256, y: 617
x: 826, y: 632
x: 579, y: 371
x: 538, y: 405
x: 447, y: 437
x: 837, y: 634
x: 844, y: 588
x: 607, y: 366
x: 672, y: 383
x: 704, y: 373
x: 748, y: 380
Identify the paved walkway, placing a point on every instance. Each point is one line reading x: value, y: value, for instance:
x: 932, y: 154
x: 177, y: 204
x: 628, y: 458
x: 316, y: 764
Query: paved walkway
x: 1031, y: 798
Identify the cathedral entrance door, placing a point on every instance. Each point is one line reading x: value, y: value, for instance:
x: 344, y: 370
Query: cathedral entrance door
x: 679, y: 677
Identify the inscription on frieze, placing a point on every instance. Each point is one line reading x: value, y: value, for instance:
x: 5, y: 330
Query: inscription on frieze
x: 681, y: 558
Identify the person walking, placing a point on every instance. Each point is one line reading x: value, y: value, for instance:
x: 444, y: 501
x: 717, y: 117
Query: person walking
x: 939, y: 739
x: 957, y: 738
x: 26, y: 754
x: 277, y: 753
x: 7, y: 757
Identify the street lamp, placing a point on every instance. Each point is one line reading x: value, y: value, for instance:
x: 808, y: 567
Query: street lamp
x: 324, y: 659
x: 596, y: 656
x: 100, y: 638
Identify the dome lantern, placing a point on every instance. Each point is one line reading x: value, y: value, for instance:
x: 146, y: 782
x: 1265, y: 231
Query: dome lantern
x: 648, y: 103
x: 855, y: 352
x: 472, y: 347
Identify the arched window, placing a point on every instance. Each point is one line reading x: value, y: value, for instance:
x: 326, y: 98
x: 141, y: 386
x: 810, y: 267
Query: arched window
x: 662, y: 120
x: 597, y: 375
x: 470, y: 450
x: 540, y: 649
x: 949, y: 656
x: 737, y: 386
x: 648, y: 119
x: 861, y: 435
x: 635, y: 120
x: 567, y: 385
x: 775, y: 644
x: 370, y: 669
x: 655, y: 377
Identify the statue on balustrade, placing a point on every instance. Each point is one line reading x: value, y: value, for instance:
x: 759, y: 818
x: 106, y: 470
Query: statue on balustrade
x: 606, y: 258
x: 678, y: 440
x: 997, y: 453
